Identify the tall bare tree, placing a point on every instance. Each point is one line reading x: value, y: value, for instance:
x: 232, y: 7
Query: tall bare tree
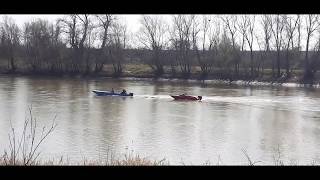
x: 10, y: 41
x: 84, y: 32
x: 214, y: 39
x: 243, y: 24
x: 56, y: 46
x: 36, y: 42
x: 153, y: 35
x: 70, y: 27
x: 250, y: 37
x: 89, y: 48
x: 277, y: 31
x: 290, y: 27
x: 261, y: 55
x: 117, y: 46
x: 231, y: 22
x: 181, y: 41
x: 299, y: 27
x: 200, y: 27
x: 76, y: 27
x: 225, y: 58
x: 104, y: 23
x: 312, y: 23
x: 266, y: 23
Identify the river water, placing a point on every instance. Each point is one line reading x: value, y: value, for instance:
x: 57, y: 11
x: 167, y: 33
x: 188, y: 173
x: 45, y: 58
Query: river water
x: 262, y: 121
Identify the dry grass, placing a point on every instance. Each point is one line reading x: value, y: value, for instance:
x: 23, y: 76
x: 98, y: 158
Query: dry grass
x: 135, y: 160
x: 250, y: 161
x: 23, y: 149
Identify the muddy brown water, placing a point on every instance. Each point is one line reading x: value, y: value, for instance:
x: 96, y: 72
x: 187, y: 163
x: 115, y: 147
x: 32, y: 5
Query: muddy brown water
x: 228, y: 120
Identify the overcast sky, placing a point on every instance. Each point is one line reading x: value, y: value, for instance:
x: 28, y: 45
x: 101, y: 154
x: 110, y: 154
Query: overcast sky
x: 132, y: 20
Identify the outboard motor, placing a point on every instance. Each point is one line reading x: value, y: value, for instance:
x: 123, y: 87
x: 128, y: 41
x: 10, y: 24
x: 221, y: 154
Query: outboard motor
x: 200, y: 97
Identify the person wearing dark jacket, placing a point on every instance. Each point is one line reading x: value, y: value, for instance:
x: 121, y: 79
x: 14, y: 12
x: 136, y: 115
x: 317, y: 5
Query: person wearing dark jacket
x: 124, y: 91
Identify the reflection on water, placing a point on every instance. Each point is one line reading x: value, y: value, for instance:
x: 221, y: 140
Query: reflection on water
x: 229, y: 119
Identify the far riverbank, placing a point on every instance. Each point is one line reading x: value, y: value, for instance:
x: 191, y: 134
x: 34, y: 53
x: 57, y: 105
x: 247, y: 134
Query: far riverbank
x: 139, y: 72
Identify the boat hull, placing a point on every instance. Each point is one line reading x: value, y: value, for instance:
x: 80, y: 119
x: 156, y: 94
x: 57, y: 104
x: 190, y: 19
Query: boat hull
x: 190, y: 98
x: 107, y: 93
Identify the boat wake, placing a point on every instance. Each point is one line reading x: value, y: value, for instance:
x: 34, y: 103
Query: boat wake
x: 280, y: 102
x: 153, y: 96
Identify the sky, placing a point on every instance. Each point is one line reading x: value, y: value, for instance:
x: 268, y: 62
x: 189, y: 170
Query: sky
x: 132, y: 20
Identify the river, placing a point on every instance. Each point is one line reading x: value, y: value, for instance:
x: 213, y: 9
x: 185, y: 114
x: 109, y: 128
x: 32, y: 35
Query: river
x: 230, y: 119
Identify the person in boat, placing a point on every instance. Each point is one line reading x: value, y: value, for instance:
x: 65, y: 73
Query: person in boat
x: 183, y: 94
x: 112, y: 91
x: 124, y: 91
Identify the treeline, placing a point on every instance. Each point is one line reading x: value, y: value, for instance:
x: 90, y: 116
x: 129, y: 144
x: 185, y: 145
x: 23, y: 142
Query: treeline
x: 226, y: 46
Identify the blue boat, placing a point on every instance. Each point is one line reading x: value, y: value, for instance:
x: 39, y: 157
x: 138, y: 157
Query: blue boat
x: 108, y: 93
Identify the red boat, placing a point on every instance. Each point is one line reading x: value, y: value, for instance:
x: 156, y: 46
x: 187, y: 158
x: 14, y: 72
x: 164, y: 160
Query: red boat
x: 186, y: 97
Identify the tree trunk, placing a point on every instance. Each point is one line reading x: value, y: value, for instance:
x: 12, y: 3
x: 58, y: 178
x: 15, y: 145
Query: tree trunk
x: 273, y: 64
x: 13, y: 66
x: 251, y: 61
x: 307, y: 71
x: 287, y: 63
x: 278, y: 63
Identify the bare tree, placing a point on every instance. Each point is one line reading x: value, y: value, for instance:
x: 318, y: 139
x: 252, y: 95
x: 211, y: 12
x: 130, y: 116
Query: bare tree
x: 299, y: 27
x: 225, y: 57
x: 314, y: 62
x: 277, y: 31
x: 290, y: 27
x: 231, y: 23
x: 36, y: 41
x: 69, y: 26
x: 261, y: 56
x: 312, y: 23
x: 56, y: 46
x: 153, y: 36
x: 76, y: 27
x: 117, y: 46
x: 85, y: 29
x: 181, y: 41
x: 104, y: 23
x: 201, y: 54
x: 89, y: 48
x: 214, y: 36
x: 242, y: 25
x: 10, y: 41
x: 266, y: 23
x: 250, y: 37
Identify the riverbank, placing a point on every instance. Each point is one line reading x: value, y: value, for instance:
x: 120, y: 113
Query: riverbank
x: 144, y: 72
